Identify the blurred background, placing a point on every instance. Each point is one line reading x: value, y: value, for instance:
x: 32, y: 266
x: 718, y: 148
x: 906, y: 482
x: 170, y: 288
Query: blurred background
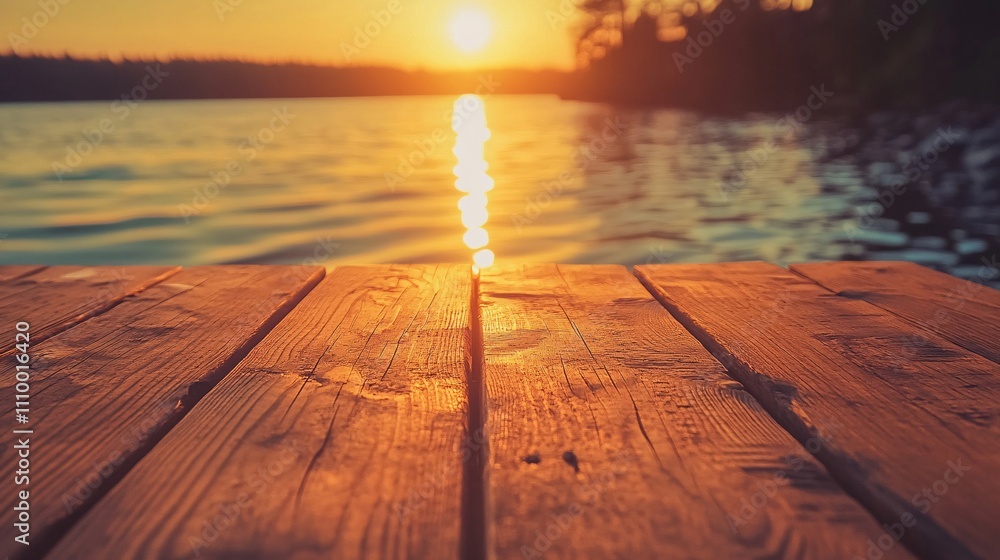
x: 231, y: 131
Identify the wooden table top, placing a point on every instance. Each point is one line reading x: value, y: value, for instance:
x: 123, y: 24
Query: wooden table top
x: 829, y: 410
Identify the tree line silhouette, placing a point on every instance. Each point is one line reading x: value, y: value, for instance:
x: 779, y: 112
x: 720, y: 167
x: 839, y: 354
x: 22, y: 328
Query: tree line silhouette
x: 766, y: 54
x: 713, y: 55
x: 38, y: 78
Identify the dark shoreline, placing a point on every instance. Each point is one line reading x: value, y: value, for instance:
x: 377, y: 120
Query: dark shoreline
x: 40, y: 79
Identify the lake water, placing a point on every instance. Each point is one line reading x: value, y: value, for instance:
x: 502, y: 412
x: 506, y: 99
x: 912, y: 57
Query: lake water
x: 371, y: 181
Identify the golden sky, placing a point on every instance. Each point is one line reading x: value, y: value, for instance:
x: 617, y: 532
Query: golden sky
x: 525, y: 33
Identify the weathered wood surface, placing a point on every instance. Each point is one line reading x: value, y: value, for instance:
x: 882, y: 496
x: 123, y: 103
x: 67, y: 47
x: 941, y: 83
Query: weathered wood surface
x: 104, y: 391
x: 13, y: 272
x: 55, y: 298
x: 356, y: 402
x: 918, y: 437
x: 961, y: 311
x: 614, y: 434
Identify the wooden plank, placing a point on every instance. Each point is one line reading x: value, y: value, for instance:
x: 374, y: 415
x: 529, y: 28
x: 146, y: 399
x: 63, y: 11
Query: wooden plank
x: 614, y: 434
x: 58, y: 297
x: 356, y: 401
x: 13, y: 272
x: 916, y: 410
x: 963, y: 312
x: 111, y: 387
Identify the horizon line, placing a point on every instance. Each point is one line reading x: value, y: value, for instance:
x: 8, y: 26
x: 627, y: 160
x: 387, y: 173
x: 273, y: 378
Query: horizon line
x: 11, y: 53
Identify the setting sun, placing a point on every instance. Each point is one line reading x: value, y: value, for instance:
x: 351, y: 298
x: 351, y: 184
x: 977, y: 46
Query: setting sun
x: 470, y: 29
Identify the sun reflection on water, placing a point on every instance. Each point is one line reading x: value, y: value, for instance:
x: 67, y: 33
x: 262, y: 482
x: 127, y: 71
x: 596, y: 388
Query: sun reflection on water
x: 471, y: 134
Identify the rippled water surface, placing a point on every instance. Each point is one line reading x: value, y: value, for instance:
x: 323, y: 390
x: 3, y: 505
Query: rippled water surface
x: 371, y: 181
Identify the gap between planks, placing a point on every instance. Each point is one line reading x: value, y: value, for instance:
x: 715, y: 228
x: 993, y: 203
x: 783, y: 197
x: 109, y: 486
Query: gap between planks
x: 600, y: 401
x: 76, y: 294
x: 961, y: 311
x: 51, y: 534
x: 369, y: 347
x: 694, y: 295
x: 475, y: 523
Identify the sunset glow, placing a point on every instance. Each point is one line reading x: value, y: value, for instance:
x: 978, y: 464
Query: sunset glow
x: 435, y: 34
x: 470, y: 30
x: 471, y: 134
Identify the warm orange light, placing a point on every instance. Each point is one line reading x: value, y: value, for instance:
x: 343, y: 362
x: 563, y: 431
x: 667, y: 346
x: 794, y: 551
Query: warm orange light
x: 475, y: 219
x: 470, y: 30
x: 472, y: 202
x: 469, y: 123
x: 483, y: 258
x: 482, y: 183
x: 476, y: 238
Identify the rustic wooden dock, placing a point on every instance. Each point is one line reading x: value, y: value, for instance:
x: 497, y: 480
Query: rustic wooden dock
x: 727, y: 411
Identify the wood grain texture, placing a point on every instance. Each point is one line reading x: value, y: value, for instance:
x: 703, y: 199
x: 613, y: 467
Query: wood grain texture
x: 614, y: 434
x: 916, y: 410
x: 337, y: 437
x: 104, y: 391
x: 961, y: 311
x: 58, y: 297
x: 13, y: 272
